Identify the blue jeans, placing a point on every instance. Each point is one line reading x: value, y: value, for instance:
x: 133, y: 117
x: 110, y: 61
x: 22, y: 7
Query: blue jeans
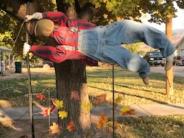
x: 103, y: 43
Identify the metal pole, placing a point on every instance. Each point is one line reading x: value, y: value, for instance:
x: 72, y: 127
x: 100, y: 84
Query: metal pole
x: 30, y: 93
x: 49, y: 121
x: 1, y: 62
x: 113, y: 105
x: 29, y: 80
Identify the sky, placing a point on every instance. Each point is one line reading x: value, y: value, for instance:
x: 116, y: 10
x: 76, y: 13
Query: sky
x: 178, y: 22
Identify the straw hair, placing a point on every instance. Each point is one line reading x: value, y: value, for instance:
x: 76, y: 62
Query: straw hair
x: 44, y: 28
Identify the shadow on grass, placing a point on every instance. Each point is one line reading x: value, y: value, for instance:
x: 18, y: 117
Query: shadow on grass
x: 16, y: 90
x: 138, y: 96
x: 155, y: 127
x: 129, y: 87
x: 122, y: 73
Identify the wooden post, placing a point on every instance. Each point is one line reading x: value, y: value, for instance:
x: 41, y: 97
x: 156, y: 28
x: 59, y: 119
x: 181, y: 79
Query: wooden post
x: 169, y: 74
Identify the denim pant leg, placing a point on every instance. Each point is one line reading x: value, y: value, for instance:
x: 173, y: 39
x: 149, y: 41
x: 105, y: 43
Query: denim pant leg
x: 131, y: 31
x: 96, y: 44
x: 124, y: 58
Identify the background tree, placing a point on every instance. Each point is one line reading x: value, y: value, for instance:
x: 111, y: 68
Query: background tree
x: 71, y: 79
x: 70, y: 75
x: 161, y: 11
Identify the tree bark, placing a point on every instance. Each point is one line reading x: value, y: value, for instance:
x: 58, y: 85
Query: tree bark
x: 71, y: 78
x: 169, y: 73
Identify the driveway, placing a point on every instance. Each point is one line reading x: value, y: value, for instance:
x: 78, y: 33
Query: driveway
x: 178, y: 70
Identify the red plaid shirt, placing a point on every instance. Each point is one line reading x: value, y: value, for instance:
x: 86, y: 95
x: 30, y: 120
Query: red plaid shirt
x: 64, y: 36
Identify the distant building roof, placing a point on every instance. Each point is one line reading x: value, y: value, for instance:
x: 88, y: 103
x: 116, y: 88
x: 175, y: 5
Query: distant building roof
x: 5, y: 49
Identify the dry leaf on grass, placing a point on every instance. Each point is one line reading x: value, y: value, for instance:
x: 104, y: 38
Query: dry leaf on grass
x: 58, y: 103
x: 40, y: 96
x: 45, y: 111
x: 102, y: 121
x: 54, y: 129
x: 6, y: 121
x: 5, y: 104
x: 86, y: 106
x: 71, y: 126
x: 126, y: 110
x: 63, y: 114
x: 119, y: 99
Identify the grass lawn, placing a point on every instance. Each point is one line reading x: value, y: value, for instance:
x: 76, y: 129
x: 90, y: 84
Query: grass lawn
x: 154, y: 127
x: 142, y: 127
x: 127, y: 85
x: 130, y: 87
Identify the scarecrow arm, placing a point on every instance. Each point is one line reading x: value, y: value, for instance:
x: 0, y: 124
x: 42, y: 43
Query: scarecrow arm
x: 55, y: 54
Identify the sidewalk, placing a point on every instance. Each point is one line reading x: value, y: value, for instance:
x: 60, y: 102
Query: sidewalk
x: 22, y: 113
x: 178, y: 70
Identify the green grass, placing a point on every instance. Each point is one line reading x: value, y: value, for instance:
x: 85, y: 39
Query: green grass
x: 154, y: 127
x: 141, y: 127
x: 128, y: 85
x: 16, y: 90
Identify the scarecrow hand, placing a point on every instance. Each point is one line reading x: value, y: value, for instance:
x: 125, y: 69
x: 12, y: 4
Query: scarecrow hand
x: 36, y: 15
x: 26, y: 48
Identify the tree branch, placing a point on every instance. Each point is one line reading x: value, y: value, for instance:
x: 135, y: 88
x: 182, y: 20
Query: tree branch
x: 77, y: 6
x: 11, y: 14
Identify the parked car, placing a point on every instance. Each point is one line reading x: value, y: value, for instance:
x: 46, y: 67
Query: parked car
x: 155, y: 58
x: 179, y: 60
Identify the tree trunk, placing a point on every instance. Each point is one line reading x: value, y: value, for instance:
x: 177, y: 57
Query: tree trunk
x: 169, y: 73
x: 71, y: 80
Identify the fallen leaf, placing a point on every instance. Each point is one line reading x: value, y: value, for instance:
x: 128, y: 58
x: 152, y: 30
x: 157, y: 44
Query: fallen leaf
x: 63, y: 114
x: 70, y: 126
x: 102, y: 121
x: 75, y: 96
x: 86, y: 106
x: 5, y: 104
x: 6, y: 121
x: 116, y: 124
x: 54, y: 129
x: 45, y: 111
x: 52, y: 108
x: 58, y: 103
x: 125, y: 110
x: 40, y: 96
x: 119, y: 99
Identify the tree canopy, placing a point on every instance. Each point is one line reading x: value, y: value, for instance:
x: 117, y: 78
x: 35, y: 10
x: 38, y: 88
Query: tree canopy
x: 106, y: 11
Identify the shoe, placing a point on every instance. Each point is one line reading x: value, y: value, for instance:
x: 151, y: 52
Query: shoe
x: 145, y: 80
x: 169, y: 62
